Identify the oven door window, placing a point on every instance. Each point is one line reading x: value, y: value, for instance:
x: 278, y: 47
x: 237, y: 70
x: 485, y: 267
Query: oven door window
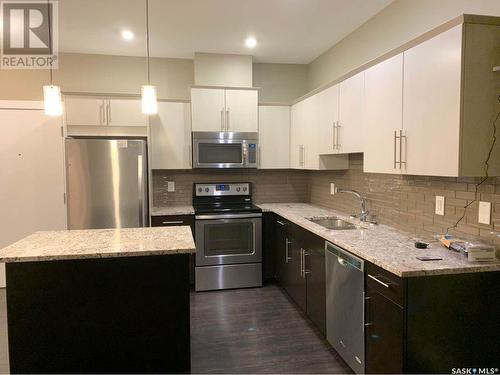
x: 216, y: 153
x: 229, y: 239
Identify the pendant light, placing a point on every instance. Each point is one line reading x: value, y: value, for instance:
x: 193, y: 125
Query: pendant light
x: 51, y: 94
x: 148, y: 92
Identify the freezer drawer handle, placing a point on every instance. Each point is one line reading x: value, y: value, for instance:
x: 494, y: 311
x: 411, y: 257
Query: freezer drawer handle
x: 378, y: 281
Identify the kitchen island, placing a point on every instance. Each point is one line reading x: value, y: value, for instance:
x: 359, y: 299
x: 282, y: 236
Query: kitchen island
x: 108, y: 300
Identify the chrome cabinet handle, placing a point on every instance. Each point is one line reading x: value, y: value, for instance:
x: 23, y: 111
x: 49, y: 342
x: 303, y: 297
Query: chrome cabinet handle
x: 401, y: 137
x: 227, y: 119
x: 173, y: 222
x: 334, y: 131
x: 222, y: 119
x: 287, y: 247
x: 101, y: 109
x: 378, y: 281
x: 306, y: 254
x: 109, y: 112
x: 338, y: 135
x: 280, y: 223
x: 302, y: 263
x: 395, y: 141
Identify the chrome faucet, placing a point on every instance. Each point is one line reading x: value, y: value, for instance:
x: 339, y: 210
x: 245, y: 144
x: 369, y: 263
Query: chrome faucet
x: 364, y: 212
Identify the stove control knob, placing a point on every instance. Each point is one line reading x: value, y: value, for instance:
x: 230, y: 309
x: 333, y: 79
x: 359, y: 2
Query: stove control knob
x: 206, y: 190
x: 244, y: 189
x: 200, y: 190
x: 238, y: 189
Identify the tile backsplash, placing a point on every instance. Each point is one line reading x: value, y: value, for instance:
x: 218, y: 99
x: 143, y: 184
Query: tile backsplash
x: 408, y: 202
x: 403, y: 202
x: 268, y: 185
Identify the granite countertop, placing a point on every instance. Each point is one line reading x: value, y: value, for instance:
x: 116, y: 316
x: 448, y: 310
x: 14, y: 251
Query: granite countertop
x: 100, y: 243
x: 172, y: 210
x: 384, y: 246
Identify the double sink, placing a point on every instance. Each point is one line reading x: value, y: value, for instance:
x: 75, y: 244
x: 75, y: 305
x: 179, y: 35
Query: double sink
x: 334, y: 223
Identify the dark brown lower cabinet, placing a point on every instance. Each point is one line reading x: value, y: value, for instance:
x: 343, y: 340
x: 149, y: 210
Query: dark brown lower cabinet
x: 383, y: 334
x: 300, y: 269
x: 177, y: 220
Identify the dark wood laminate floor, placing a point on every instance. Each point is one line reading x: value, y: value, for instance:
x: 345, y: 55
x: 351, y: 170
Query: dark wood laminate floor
x: 256, y: 331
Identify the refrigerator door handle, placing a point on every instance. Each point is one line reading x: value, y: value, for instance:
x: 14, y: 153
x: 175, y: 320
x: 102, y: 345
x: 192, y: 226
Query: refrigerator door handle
x: 140, y: 182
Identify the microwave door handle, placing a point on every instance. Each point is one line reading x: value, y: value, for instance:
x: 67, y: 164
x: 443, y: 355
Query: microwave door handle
x: 244, y: 147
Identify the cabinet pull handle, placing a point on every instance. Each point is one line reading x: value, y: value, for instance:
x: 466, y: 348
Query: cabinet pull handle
x: 378, y: 281
x: 338, y: 135
x: 287, y: 244
x: 109, y: 112
x: 222, y: 119
x: 173, y: 222
x: 302, y: 263
x: 401, y: 137
x: 306, y: 254
x: 227, y: 119
x: 395, y: 138
x: 333, y: 135
x: 280, y: 222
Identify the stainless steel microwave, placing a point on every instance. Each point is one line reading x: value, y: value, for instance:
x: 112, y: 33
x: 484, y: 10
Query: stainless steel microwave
x: 225, y: 150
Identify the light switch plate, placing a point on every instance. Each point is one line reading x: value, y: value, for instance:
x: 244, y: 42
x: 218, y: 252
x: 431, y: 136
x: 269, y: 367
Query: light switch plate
x: 484, y: 213
x: 332, y: 188
x: 439, y: 205
x: 171, y: 186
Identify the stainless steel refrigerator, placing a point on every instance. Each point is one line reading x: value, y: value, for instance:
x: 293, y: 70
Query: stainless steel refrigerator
x: 106, y: 183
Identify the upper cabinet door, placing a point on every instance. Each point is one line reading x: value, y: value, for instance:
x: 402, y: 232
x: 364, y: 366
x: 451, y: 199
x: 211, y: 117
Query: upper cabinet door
x: 85, y: 110
x: 171, y: 136
x: 431, y: 105
x: 328, y: 116
x: 274, y: 137
x: 383, y: 116
x: 297, y: 125
x: 208, y: 109
x: 125, y: 112
x: 350, y: 133
x: 241, y: 110
x: 311, y: 134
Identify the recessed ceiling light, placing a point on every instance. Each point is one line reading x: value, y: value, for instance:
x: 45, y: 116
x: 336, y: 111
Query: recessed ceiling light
x: 250, y: 42
x: 127, y: 35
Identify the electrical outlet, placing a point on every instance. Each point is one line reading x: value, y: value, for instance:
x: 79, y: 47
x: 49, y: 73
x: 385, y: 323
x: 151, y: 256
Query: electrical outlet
x: 439, y: 205
x: 171, y: 186
x: 332, y: 188
x: 484, y: 213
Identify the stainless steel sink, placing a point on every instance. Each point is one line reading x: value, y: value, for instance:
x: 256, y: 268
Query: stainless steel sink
x: 333, y: 223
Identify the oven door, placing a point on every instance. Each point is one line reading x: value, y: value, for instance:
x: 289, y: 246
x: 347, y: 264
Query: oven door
x: 218, y: 153
x: 228, y: 239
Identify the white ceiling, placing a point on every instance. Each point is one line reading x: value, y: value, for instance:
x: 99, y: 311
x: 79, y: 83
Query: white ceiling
x: 287, y: 31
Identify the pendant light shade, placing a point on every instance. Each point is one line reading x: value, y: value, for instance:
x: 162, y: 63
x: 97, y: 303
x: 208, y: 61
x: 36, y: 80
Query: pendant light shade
x: 52, y: 100
x: 149, y: 100
x: 148, y: 92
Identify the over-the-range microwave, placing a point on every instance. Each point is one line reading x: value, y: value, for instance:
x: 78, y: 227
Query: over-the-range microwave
x: 225, y: 150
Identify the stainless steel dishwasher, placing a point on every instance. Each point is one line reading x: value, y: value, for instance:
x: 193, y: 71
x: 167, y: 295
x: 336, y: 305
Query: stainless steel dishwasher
x: 345, y: 305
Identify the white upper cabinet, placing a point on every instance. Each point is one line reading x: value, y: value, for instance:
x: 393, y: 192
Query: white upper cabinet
x: 297, y: 135
x: 85, y: 110
x: 350, y: 130
x: 224, y: 110
x: 171, y: 136
x: 103, y: 110
x: 274, y: 137
x: 208, y: 109
x: 383, y: 116
x: 328, y: 117
x: 431, y: 105
x: 241, y: 110
x: 125, y: 112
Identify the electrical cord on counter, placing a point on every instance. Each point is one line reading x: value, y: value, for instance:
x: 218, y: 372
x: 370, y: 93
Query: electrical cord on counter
x: 486, y: 175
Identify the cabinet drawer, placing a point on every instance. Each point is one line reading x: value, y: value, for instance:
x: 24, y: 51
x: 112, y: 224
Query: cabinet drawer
x: 171, y: 220
x: 385, y: 283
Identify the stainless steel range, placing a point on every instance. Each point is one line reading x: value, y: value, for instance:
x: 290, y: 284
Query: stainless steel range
x: 228, y: 237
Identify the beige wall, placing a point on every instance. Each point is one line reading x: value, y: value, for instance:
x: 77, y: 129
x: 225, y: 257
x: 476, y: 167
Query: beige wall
x: 214, y: 69
x: 280, y: 83
x: 400, y: 22
x: 125, y: 74
x: 101, y: 74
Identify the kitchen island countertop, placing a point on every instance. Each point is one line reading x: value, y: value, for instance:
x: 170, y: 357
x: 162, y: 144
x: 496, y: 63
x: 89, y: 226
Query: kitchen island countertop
x: 100, y: 243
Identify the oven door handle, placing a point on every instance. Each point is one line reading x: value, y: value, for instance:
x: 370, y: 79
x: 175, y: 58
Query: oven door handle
x: 228, y: 216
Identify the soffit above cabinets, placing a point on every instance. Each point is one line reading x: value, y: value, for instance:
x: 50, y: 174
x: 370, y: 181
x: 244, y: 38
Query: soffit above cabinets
x: 286, y: 31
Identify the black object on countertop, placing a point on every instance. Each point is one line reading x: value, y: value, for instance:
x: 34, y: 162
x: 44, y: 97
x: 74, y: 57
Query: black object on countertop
x: 421, y: 245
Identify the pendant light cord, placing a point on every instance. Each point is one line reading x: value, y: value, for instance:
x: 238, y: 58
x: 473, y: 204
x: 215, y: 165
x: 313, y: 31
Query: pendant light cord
x: 147, y: 38
x: 49, y: 19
